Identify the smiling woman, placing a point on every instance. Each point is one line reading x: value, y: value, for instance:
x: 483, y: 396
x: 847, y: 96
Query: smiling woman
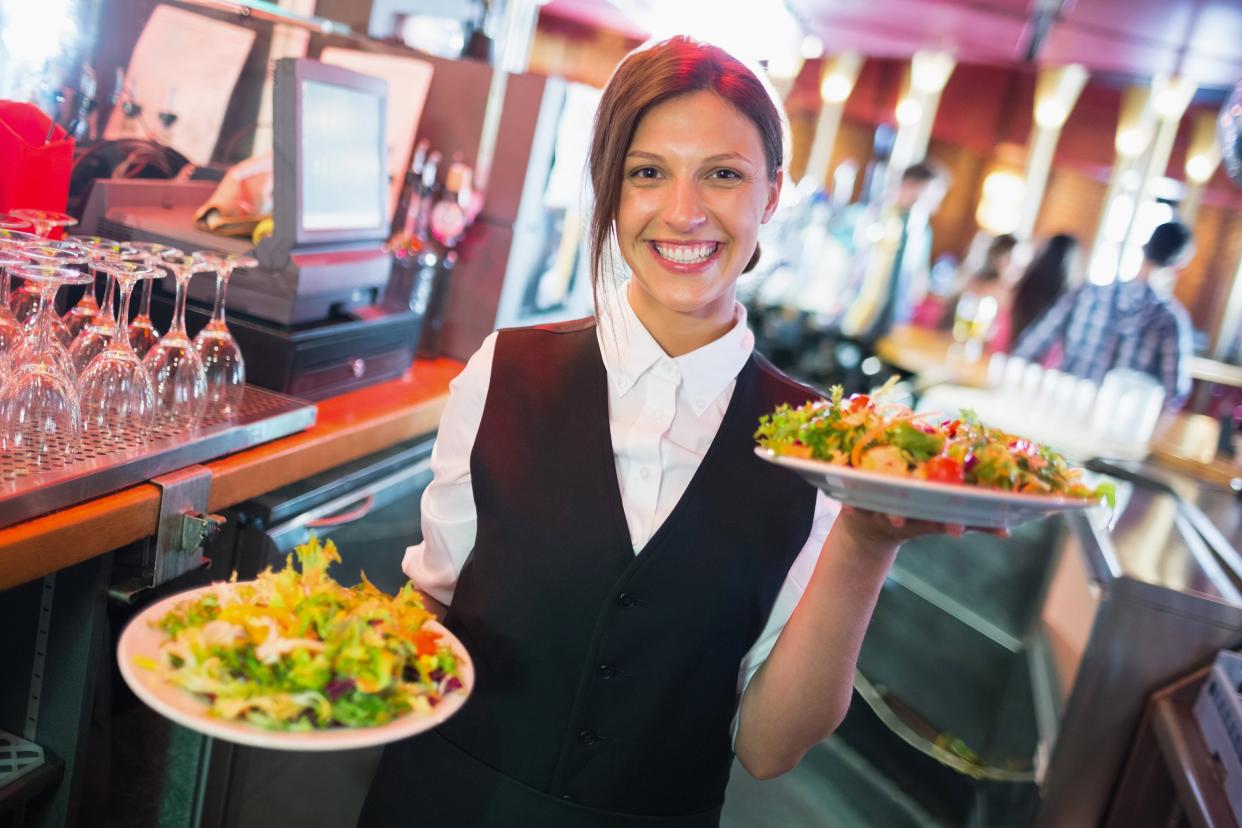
x: 619, y: 564
x: 686, y: 162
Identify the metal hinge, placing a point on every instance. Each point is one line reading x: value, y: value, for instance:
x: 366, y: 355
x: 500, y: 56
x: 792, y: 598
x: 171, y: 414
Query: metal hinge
x: 184, y: 526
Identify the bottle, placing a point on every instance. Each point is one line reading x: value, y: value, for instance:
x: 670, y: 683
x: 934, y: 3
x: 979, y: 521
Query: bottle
x: 407, y: 205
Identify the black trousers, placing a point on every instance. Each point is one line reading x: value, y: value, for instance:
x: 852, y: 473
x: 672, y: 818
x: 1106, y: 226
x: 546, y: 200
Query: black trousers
x: 429, y: 781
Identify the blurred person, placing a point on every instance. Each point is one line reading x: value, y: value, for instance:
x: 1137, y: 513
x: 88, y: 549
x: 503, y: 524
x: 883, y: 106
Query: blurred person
x: 990, y: 286
x: 1042, y: 283
x: 898, y: 260
x: 1135, y: 324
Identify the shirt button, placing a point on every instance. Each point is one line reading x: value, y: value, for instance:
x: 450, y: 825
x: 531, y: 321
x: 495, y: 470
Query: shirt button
x: 586, y: 738
x: 644, y: 473
x: 699, y: 402
x: 567, y: 797
x: 606, y: 671
x: 627, y: 599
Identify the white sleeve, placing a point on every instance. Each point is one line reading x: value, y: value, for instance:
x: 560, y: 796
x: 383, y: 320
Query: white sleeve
x: 448, y: 512
x: 826, y: 511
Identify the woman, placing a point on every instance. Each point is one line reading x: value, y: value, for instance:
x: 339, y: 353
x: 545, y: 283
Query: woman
x: 1043, y: 282
x: 988, y: 292
x: 617, y: 560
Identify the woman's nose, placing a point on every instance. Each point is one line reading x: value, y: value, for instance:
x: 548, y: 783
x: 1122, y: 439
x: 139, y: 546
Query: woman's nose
x: 683, y: 211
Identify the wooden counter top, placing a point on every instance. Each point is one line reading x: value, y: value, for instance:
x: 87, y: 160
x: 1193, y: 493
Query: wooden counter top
x: 350, y: 426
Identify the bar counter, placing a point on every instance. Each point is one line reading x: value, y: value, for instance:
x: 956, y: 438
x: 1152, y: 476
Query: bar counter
x: 348, y: 426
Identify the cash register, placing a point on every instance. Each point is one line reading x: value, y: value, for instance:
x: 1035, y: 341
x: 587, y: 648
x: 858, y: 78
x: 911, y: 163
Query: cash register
x: 308, y: 318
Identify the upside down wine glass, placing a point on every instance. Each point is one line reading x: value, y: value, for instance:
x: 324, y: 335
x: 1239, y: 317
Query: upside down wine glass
x: 118, y: 403
x: 95, y: 337
x: 142, y: 332
x: 222, y: 358
x: 45, y: 222
x: 81, y: 314
x: 25, y: 300
x: 11, y: 331
x: 176, y: 371
x: 39, y: 403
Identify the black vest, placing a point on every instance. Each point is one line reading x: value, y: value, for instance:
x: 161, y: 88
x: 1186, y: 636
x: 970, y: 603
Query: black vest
x: 604, y: 678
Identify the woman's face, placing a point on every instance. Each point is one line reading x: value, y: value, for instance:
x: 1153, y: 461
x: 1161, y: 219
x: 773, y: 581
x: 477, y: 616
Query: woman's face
x: 696, y: 190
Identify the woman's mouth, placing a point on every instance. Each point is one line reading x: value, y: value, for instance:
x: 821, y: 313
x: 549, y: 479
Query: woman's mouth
x: 685, y: 256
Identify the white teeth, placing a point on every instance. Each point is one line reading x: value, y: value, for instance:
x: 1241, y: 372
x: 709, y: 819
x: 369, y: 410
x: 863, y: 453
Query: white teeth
x: 687, y: 253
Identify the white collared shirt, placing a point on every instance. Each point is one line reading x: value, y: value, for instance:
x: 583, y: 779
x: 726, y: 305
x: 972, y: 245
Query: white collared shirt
x: 663, y: 413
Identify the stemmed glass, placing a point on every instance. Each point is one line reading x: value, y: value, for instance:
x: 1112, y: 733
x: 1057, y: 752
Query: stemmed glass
x: 91, y: 342
x: 80, y: 315
x: 45, y: 222
x: 221, y: 356
x: 48, y: 254
x: 118, y: 403
x: 38, y: 403
x: 11, y: 331
x: 11, y: 222
x: 142, y: 332
x: 176, y: 371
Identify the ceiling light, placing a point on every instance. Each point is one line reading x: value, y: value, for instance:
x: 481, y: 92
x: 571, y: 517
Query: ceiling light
x: 1050, y: 114
x: 909, y: 111
x: 1130, y: 143
x: 1199, y: 169
x: 836, y: 88
x: 929, y: 71
x: 812, y: 47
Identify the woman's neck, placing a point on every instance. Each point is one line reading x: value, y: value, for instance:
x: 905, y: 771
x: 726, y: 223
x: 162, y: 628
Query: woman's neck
x: 679, y: 333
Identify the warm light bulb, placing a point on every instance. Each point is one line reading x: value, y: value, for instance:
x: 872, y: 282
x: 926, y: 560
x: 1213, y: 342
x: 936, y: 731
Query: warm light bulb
x: 1130, y: 143
x: 812, y: 47
x: 1050, y: 114
x: 784, y: 66
x: 929, y: 71
x: 836, y: 88
x: 909, y: 111
x: 1198, y: 168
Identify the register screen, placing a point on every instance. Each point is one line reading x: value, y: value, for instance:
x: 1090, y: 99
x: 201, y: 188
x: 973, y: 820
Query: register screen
x: 343, y: 159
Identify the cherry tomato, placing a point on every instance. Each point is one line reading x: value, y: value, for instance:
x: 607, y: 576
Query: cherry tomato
x: 426, y: 642
x: 944, y: 470
x: 859, y: 402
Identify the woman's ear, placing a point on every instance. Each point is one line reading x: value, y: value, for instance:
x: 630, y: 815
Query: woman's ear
x: 774, y: 196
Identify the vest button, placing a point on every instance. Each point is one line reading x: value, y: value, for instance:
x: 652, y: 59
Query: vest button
x: 586, y: 738
x: 627, y: 599
x: 606, y: 671
x: 567, y: 797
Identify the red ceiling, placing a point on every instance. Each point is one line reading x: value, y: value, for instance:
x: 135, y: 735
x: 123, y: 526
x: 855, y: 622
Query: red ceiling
x: 1131, y: 38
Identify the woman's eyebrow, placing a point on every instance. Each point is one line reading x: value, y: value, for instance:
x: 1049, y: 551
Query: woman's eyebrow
x: 711, y: 159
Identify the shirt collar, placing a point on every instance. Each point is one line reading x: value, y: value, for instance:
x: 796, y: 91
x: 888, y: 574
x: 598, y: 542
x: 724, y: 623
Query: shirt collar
x: 629, y: 351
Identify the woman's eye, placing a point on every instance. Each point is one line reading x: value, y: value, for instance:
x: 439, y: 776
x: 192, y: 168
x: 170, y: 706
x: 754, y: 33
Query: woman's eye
x: 725, y: 174
x: 644, y: 172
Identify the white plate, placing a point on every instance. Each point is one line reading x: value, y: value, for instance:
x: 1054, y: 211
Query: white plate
x: 140, y: 640
x: 924, y: 500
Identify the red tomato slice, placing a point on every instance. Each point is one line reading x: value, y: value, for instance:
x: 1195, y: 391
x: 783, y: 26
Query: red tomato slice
x: 944, y: 470
x: 859, y: 402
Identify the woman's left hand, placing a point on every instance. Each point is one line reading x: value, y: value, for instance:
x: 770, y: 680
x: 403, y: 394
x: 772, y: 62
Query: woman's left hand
x: 881, y: 529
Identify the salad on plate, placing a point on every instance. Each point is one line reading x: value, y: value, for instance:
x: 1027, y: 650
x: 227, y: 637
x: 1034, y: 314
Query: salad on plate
x: 294, y: 650
x: 871, y: 434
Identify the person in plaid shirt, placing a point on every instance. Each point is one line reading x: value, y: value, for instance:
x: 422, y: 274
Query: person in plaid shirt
x: 1135, y: 324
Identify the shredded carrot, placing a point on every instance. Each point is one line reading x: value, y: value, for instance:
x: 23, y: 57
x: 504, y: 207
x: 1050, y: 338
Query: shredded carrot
x: 869, y: 437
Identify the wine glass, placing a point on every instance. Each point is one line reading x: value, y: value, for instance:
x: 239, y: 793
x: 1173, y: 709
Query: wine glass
x: 117, y: 401
x: 11, y: 222
x: 176, y: 371
x: 91, y: 342
x: 221, y: 356
x: 39, y: 403
x: 77, y: 317
x: 45, y: 222
x: 11, y: 331
x: 48, y: 254
x: 142, y: 332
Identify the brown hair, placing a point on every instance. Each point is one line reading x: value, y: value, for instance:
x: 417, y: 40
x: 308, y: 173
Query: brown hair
x: 649, y: 76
